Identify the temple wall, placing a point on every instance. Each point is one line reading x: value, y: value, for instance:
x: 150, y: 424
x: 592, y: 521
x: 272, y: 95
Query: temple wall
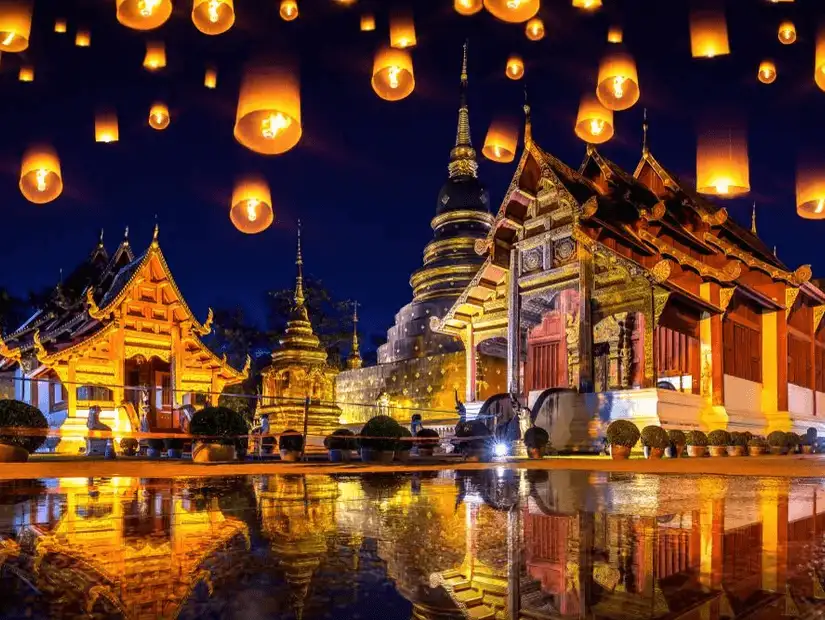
x: 800, y: 400
x: 820, y: 402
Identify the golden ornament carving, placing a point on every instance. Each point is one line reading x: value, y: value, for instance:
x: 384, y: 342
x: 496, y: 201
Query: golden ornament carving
x: 800, y: 276
x: 791, y: 293
x: 590, y: 207
x: 205, y: 328
x: 730, y: 272
x: 659, y: 302
x: 725, y: 295
x: 9, y: 353
x: 661, y: 271
x: 819, y: 312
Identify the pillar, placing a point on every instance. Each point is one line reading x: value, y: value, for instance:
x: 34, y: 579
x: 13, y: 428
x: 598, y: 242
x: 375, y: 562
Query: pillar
x: 175, y: 361
x: 773, y: 511
x: 513, y: 325
x: 71, y: 389
x: 712, y: 374
x: 470, y: 363
x: 775, y: 371
x: 585, y: 258
x: 214, y: 390
x: 514, y: 561
x: 711, y: 535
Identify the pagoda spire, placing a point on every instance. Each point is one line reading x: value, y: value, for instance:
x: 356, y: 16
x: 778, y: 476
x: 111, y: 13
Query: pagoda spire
x: 753, y: 219
x: 354, y: 360
x: 463, y: 155
x: 645, y: 127
x: 299, y: 278
x: 528, y: 123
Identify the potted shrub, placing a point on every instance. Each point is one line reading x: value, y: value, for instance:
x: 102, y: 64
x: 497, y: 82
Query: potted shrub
x: 778, y: 442
x: 129, y: 446
x: 719, y: 440
x: 340, y: 445
x: 174, y: 447
x: 757, y: 446
x: 379, y: 438
x: 738, y: 444
x: 427, y: 440
x: 16, y: 448
x: 792, y: 440
x: 154, y: 448
x: 220, y: 427
x: 404, y: 445
x: 809, y: 441
x: 473, y: 441
x: 654, y: 441
x: 697, y: 443
x: 291, y: 445
x: 622, y: 435
x: 536, y: 440
x: 677, y: 442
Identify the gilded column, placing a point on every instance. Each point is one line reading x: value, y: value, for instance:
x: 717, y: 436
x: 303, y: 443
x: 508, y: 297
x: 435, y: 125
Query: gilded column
x: 118, y: 359
x: 710, y: 350
x: 585, y: 257
x: 513, y: 325
x: 711, y: 531
x: 71, y: 389
x: 175, y: 370
x: 470, y: 362
x: 775, y: 371
x: 773, y: 512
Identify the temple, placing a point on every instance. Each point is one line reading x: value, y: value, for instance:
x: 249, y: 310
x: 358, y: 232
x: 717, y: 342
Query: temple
x: 116, y: 334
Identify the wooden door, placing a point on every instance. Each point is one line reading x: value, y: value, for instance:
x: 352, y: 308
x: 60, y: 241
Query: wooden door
x: 543, y: 368
x: 163, y: 400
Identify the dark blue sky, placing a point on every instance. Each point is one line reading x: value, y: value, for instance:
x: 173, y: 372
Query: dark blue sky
x: 365, y: 176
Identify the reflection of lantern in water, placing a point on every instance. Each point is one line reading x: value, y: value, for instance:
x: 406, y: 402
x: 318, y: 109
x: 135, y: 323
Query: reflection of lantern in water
x: 143, y: 14
x: 722, y: 163
x: 392, y: 74
x: 500, y: 143
x: 213, y: 16
x: 587, y: 5
x: 402, y: 31
x: 83, y: 38
x: 26, y: 73
x: 15, y: 25
x: 289, y: 10
x: 594, y: 122
x: 159, y: 116
x: 40, y: 177
x: 534, y: 30
x: 515, y: 68
x: 767, y: 72
x: 787, y: 33
x: 60, y: 26
x: 268, y: 119
x: 251, y: 208
x: 513, y: 11
x: 106, y: 129
x: 708, y: 34
x: 618, y: 82
x: 210, y: 79
x: 810, y: 192
x: 614, y: 34
x: 468, y: 7
x: 819, y: 59
x: 155, y: 56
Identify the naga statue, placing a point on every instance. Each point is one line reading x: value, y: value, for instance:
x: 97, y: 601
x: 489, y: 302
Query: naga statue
x: 144, y: 409
x: 96, y: 446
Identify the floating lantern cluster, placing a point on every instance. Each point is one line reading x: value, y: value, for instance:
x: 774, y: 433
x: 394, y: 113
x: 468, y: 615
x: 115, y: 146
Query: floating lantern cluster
x: 767, y: 72
x: 143, y: 14
x: 468, y: 7
x: 159, y: 116
x: 594, y: 122
x: 213, y: 16
x: 500, y: 143
x: 251, y: 206
x: 268, y: 118
x: 210, y: 78
x: 155, y: 58
x: 393, y: 78
x: 40, y: 177
x: 26, y: 73
x: 515, y: 68
x: 722, y: 163
x: 810, y: 193
x: 402, y: 32
x: 512, y: 11
x: 83, y: 38
x: 106, y: 128
x: 787, y: 33
x: 708, y: 34
x: 367, y: 22
x: 60, y: 26
x: 587, y: 5
x: 15, y: 25
x: 614, y: 35
x: 618, y: 83
x: 534, y: 30
x: 289, y: 10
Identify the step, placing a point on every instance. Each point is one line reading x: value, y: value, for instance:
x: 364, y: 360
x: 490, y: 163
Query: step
x: 469, y: 597
x: 458, y: 583
x: 480, y: 612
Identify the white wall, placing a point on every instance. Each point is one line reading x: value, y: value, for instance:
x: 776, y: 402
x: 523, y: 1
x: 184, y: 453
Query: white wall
x: 742, y: 395
x: 800, y: 400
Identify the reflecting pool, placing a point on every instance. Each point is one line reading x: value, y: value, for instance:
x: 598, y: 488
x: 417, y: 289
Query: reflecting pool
x: 489, y: 544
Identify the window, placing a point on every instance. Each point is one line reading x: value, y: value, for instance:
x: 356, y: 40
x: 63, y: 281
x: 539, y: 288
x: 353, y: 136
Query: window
x: 677, y: 359
x: 799, y: 361
x: 742, y: 350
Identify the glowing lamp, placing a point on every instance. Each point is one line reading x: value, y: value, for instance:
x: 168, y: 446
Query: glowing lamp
x: 210, y: 79
x: 468, y: 7
x: 515, y: 68
x: 722, y: 164
x: 787, y: 33
x: 15, y: 25
x: 819, y: 60
x: 289, y: 10
x: 106, y: 129
x: 587, y: 5
x: 60, y: 26
x: 614, y: 34
x: 402, y: 32
x: 268, y: 119
x: 155, y: 56
x: 534, y: 30
x: 251, y: 209
x: 594, y: 122
x: 367, y: 22
x: 213, y: 16
x: 767, y: 72
x: 500, y: 143
x: 26, y: 73
x: 143, y: 14
x: 708, y: 34
x: 40, y: 177
x: 618, y: 83
x: 83, y: 38
x: 159, y: 116
x: 513, y: 11
x: 393, y: 78
x: 810, y: 193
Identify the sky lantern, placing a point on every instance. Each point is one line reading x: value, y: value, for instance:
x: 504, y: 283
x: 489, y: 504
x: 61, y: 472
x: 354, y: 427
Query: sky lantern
x: 210, y: 78
x: 500, y: 142
x: 594, y: 122
x: 159, y: 116
x: 810, y: 192
x: 708, y: 34
x: 15, y: 25
x: 587, y: 5
x: 40, y: 177
x: 402, y: 31
x: 614, y: 34
x: 819, y: 59
x: 251, y: 208
x: 393, y: 78
x: 83, y: 38
x: 515, y: 67
x: 787, y: 32
x: 268, y: 119
x: 60, y: 26
x: 468, y: 7
x: 534, y: 30
x: 722, y: 163
x: 767, y: 72
x: 143, y: 14
x: 213, y: 16
x: 367, y: 22
x: 26, y: 73
x: 289, y: 10
x: 155, y: 55
x: 618, y: 83
x: 106, y: 129
x: 512, y: 11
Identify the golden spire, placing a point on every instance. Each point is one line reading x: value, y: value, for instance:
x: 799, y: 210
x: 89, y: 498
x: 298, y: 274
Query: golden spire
x: 645, y: 127
x: 100, y: 241
x: 299, y: 280
x: 463, y: 156
x: 753, y: 218
x: 155, y: 235
x: 354, y: 360
x: 528, y: 124
x: 126, y: 235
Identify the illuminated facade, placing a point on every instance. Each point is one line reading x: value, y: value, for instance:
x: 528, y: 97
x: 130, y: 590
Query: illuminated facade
x: 116, y: 331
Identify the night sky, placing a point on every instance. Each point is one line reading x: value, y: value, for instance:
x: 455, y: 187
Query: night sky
x: 365, y: 176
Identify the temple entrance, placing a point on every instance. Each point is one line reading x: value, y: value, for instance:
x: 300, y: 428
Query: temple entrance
x: 154, y: 374
x: 601, y: 366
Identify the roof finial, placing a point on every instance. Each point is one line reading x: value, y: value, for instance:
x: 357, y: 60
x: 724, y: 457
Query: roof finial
x: 463, y: 156
x: 100, y: 242
x: 155, y: 233
x: 753, y: 218
x: 60, y: 282
x: 774, y: 252
x: 528, y: 128
x: 126, y: 235
x: 299, y: 279
x: 645, y: 127
x: 354, y: 360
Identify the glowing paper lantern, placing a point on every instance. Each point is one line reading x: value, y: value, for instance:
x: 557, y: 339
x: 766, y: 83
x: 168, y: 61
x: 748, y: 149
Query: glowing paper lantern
x: 515, y: 68
x: 708, y: 34
x: 402, y: 32
x: 268, y: 119
x: 392, y: 74
x: 15, y: 25
x: 289, y: 10
x: 83, y: 38
x: 819, y: 60
x: 159, y: 116
x: 767, y: 72
x: 60, y: 26
x: 512, y: 11
x: 251, y: 208
x: 587, y: 5
x: 594, y: 122
x: 500, y: 143
x: 618, y: 83
x: 468, y: 7
x: 155, y: 56
x: 213, y: 16
x: 26, y: 73
x: 210, y: 79
x: 106, y: 128
x: 534, y: 30
x: 810, y: 193
x: 40, y: 177
x: 143, y: 14
x: 367, y: 22
x: 722, y: 163
x: 787, y: 33
x: 614, y: 35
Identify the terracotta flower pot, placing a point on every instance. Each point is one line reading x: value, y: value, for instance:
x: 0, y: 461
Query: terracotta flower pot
x: 534, y: 453
x: 807, y: 449
x: 696, y: 451
x: 340, y: 456
x: 756, y: 450
x: 777, y: 450
x: 737, y: 450
x: 376, y: 456
x: 403, y: 456
x: 718, y: 450
x: 290, y: 456
x: 619, y: 453
x: 13, y: 454
x: 654, y: 453
x: 212, y: 452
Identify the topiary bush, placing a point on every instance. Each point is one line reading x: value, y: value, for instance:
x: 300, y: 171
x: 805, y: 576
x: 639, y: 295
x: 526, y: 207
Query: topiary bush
x: 810, y: 436
x: 623, y: 433
x: 291, y: 440
x: 220, y: 425
x: 341, y: 439
x: 719, y: 437
x: 129, y: 446
x: 428, y: 438
x: 654, y: 436
x: 536, y: 438
x: 17, y: 414
x: 777, y: 439
x: 476, y: 429
x: 696, y: 438
x: 677, y: 437
x: 758, y: 442
x: 380, y: 433
x: 739, y: 439
x: 405, y: 443
x: 792, y: 440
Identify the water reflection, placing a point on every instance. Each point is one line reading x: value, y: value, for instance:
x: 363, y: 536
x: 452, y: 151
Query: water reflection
x: 488, y: 544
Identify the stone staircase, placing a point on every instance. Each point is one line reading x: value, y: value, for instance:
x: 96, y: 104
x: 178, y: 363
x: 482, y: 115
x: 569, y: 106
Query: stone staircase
x: 484, y: 595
